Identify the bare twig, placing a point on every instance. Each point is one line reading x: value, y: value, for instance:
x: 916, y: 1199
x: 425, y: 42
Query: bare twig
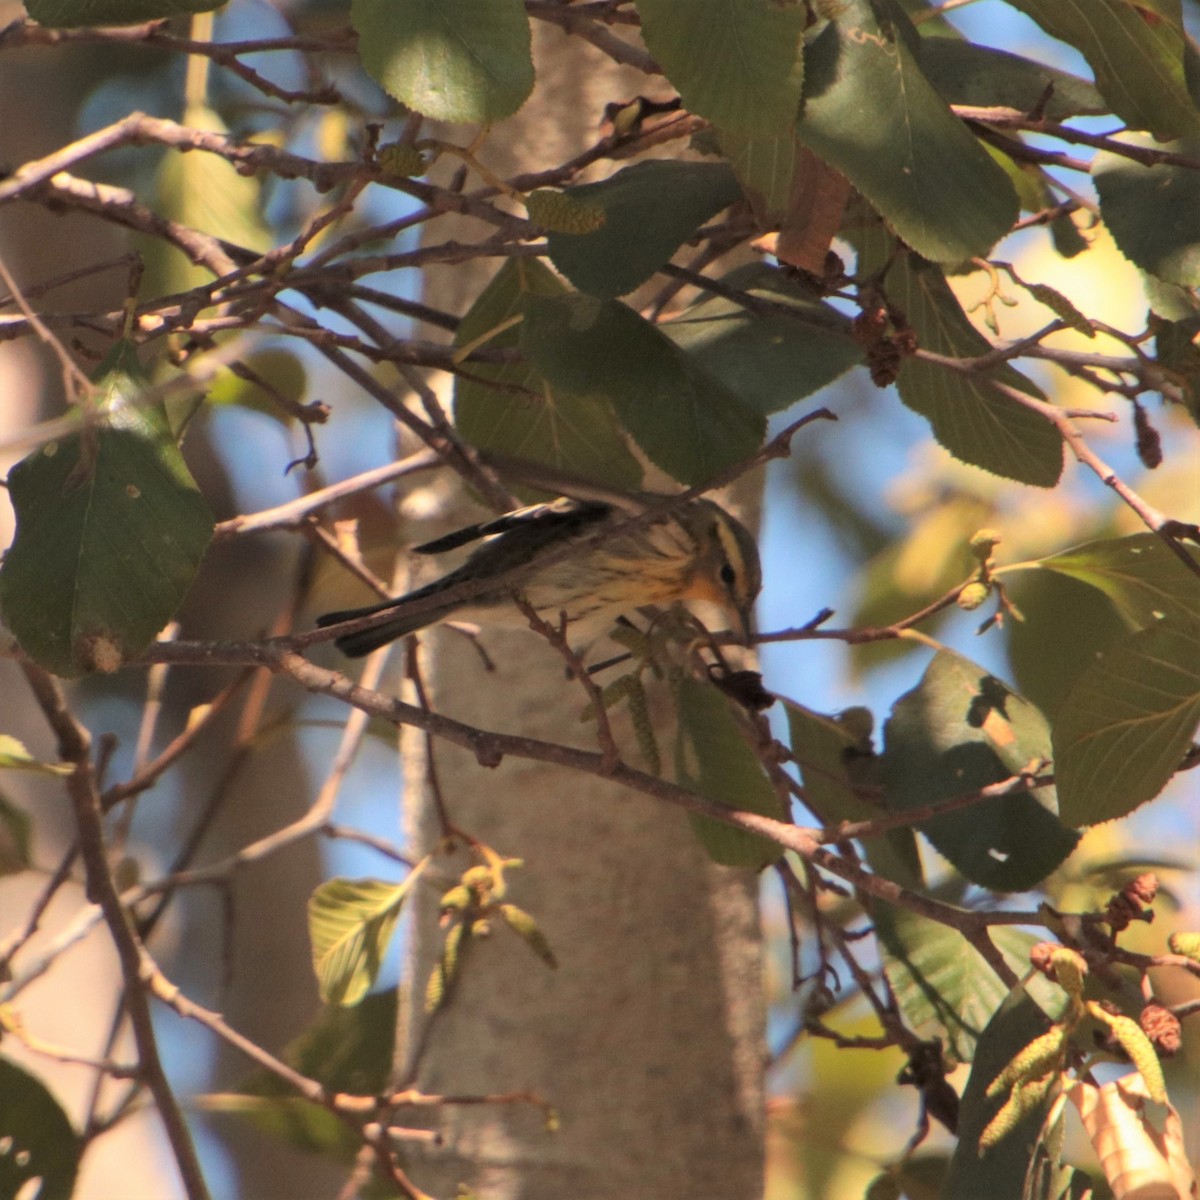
x: 75, y: 748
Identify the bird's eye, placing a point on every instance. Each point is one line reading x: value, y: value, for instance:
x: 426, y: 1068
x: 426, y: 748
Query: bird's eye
x: 728, y: 575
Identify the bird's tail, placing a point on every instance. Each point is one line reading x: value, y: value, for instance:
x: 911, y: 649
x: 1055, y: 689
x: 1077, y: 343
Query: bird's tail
x: 365, y: 640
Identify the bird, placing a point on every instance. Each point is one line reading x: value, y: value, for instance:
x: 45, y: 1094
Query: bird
x: 589, y: 560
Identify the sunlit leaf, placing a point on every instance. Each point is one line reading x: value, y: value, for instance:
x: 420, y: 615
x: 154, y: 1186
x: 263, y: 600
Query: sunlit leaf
x: 1139, y: 574
x: 206, y: 192
x: 467, y: 61
x: 14, y: 757
x: 765, y: 167
x: 908, y: 574
x: 350, y: 924
x: 1143, y: 1152
x: 1124, y: 727
x: 279, y: 369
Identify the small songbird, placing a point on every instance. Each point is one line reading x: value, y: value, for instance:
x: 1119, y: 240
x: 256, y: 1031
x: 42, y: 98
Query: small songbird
x: 692, y: 551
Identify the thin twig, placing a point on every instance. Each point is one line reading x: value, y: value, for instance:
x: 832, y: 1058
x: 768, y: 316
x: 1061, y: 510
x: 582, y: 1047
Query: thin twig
x: 75, y: 748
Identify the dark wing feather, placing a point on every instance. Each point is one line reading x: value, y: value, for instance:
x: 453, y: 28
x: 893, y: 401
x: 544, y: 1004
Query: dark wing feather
x: 543, y: 523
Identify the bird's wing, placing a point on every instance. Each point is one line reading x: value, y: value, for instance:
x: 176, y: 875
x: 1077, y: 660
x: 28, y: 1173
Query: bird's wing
x: 542, y: 523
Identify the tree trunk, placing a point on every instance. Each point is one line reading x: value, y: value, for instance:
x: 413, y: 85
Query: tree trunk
x: 648, y: 1038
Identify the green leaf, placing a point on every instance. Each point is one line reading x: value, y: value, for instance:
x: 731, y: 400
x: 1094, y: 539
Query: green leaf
x: 15, y: 827
x: 943, y: 985
x: 713, y: 758
x: 739, y: 63
x: 68, y: 14
x: 872, y: 114
x: 1124, y: 727
x: 1139, y: 574
x: 765, y: 167
x: 344, y: 1050
x: 969, y: 418
x: 297, y: 1122
x: 1138, y: 61
x: 350, y: 923
x: 961, y: 729
x: 14, y: 757
x: 1153, y: 212
x: 684, y: 420
x: 1001, y: 1173
x: 650, y: 209
x: 840, y: 771
x: 979, y: 76
x: 36, y: 1138
x: 767, y: 358
x: 1066, y: 625
x: 1068, y: 241
x: 466, y: 61
x: 110, y: 532
x: 510, y: 408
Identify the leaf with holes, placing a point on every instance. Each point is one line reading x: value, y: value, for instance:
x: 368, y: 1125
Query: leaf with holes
x: 36, y: 1139
x: 1139, y: 574
x: 961, y: 729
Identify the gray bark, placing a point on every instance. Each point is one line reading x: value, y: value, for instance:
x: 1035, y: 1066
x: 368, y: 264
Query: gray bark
x: 648, y: 1038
